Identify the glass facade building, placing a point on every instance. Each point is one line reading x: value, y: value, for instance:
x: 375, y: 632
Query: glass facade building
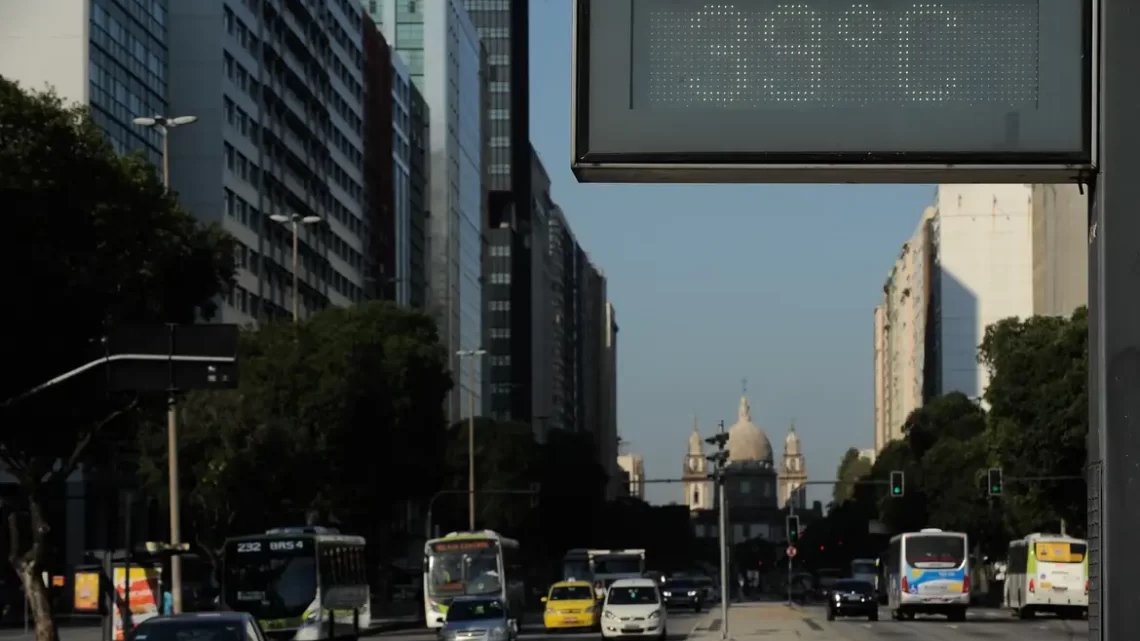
x: 444, y: 55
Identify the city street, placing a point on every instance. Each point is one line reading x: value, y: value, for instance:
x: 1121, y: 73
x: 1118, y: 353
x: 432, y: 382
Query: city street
x: 681, y: 624
x: 777, y: 622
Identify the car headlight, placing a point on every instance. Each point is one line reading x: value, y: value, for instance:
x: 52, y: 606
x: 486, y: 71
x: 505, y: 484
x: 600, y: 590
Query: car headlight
x: 549, y: 611
x: 656, y: 614
x: 608, y: 615
x: 668, y: 594
x: 692, y: 593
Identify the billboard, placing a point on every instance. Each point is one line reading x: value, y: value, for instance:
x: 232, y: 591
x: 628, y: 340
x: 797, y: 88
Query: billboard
x: 833, y: 91
x: 145, y: 595
x: 86, y: 597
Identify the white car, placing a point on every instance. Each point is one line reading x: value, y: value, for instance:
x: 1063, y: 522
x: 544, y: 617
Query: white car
x: 633, y: 608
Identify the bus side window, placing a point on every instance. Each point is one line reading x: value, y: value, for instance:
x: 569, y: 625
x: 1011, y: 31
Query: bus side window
x: 326, y: 567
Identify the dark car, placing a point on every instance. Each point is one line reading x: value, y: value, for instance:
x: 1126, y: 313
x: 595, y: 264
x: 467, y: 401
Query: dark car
x: 851, y: 598
x: 683, y: 593
x: 199, y: 626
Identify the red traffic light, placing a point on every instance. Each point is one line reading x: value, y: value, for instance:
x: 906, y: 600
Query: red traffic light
x: 821, y: 548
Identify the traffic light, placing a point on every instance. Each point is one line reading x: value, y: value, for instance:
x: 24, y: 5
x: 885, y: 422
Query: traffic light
x: 897, y: 486
x: 793, y: 529
x: 995, y: 481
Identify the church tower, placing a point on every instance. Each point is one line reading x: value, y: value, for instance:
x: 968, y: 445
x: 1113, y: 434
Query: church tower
x: 694, y: 474
x: 793, y: 473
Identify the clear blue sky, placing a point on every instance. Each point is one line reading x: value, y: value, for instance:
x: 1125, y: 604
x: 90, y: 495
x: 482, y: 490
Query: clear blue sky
x: 713, y: 284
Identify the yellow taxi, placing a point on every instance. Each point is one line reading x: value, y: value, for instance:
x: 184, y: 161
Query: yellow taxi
x: 571, y: 605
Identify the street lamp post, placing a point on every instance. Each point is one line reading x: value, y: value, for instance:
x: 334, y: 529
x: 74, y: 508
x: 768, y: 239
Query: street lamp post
x: 471, y: 354
x: 163, y: 125
x: 295, y: 221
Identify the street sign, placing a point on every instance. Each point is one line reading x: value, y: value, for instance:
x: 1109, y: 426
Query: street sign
x: 791, y: 551
x: 169, y: 356
x: 826, y: 91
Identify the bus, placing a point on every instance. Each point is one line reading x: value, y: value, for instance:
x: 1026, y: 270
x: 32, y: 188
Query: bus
x: 576, y: 566
x: 302, y: 583
x: 1047, y: 573
x: 613, y: 565
x: 480, y: 563
x: 928, y: 572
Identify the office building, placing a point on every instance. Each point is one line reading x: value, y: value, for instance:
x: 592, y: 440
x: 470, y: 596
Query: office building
x: 385, y: 163
x: 632, y: 483
x: 607, y: 433
x: 980, y: 254
x: 110, y: 55
x: 520, y: 311
x: 279, y: 92
x: 445, y: 57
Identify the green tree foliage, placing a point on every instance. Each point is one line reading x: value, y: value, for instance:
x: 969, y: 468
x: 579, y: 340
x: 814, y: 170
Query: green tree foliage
x: 852, y: 467
x: 506, y: 460
x: 339, y: 416
x: 96, y: 241
x: 1038, y: 418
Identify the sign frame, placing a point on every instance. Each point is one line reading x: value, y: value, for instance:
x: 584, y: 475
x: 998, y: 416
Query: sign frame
x: 824, y: 168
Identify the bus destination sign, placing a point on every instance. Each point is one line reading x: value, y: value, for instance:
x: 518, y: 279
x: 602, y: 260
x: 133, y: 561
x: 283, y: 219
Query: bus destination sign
x: 460, y: 545
x: 664, y: 89
x: 272, y: 545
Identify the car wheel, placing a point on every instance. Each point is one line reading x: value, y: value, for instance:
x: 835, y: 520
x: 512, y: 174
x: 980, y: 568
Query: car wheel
x: 874, y: 616
x: 664, y: 633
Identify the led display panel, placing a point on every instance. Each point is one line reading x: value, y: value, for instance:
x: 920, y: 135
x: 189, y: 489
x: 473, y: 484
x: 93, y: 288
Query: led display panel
x: 832, y: 90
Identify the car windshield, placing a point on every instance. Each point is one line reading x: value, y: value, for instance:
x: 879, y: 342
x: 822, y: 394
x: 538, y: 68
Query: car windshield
x: 572, y: 593
x: 475, y: 611
x: 680, y: 586
x: 471, y: 572
x: 935, y: 551
x: 270, y: 585
x: 632, y: 596
x: 189, y: 630
x: 861, y: 587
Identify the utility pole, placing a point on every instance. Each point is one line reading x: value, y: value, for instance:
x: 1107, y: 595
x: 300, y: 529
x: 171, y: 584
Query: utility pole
x: 470, y: 355
x: 720, y: 461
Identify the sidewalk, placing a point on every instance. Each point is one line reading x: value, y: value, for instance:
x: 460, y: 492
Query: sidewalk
x: 759, y: 620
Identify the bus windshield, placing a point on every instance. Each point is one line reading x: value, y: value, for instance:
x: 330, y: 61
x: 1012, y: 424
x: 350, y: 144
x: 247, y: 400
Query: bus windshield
x: 861, y: 568
x: 576, y: 570
x: 618, y: 565
x: 464, y: 572
x: 935, y: 551
x: 269, y: 585
x: 1060, y: 552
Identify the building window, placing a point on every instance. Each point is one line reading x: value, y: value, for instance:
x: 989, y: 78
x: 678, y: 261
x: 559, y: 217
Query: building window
x: 745, y: 487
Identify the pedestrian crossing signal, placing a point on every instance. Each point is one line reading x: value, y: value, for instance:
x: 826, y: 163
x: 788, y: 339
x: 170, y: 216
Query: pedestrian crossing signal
x: 897, y: 484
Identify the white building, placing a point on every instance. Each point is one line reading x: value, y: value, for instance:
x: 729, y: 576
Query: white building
x: 281, y: 139
x: 980, y: 254
x: 445, y: 59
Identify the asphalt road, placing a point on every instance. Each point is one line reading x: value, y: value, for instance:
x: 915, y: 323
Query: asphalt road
x: 982, y: 624
x: 680, y: 624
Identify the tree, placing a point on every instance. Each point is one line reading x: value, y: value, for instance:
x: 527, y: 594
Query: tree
x: 852, y: 467
x: 96, y: 241
x: 338, y: 416
x: 506, y: 459
x: 1038, y: 417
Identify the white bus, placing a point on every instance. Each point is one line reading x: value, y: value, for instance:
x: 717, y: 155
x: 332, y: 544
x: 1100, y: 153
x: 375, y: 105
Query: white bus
x: 1047, y: 573
x: 480, y: 563
x: 928, y: 572
x: 303, y: 583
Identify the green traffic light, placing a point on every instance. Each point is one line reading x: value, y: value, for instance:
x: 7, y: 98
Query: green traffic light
x: 996, y: 488
x: 898, y: 490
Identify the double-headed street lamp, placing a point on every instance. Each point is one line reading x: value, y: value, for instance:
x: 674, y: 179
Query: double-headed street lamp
x: 471, y: 354
x: 163, y: 124
x: 295, y: 221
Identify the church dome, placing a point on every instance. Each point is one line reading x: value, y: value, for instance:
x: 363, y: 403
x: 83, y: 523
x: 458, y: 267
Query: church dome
x: 792, y: 442
x: 746, y: 441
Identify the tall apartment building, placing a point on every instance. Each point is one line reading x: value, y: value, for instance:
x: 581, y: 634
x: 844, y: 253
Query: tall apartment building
x: 564, y: 251
x: 591, y: 352
x: 445, y: 57
x: 607, y: 435
x: 279, y: 92
x: 980, y: 254
x: 111, y: 56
